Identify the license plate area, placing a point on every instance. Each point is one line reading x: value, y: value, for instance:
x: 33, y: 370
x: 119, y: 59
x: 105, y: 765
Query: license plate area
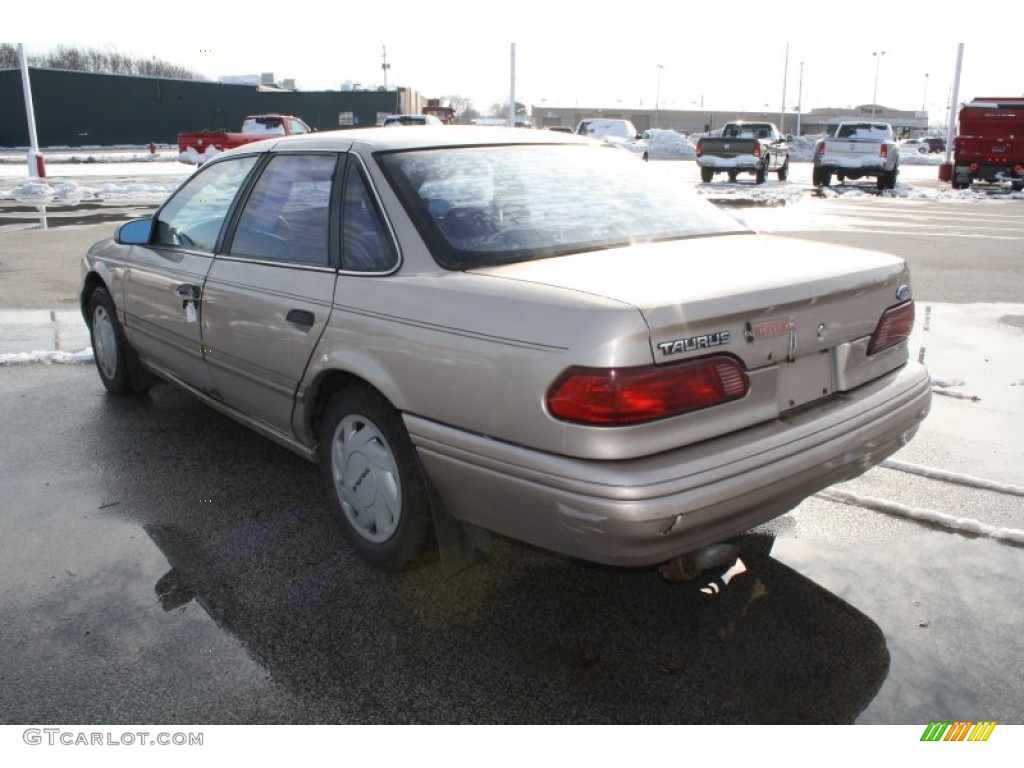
x: 806, y: 379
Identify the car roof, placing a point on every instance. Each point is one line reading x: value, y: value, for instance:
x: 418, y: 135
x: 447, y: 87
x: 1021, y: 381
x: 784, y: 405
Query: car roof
x: 386, y: 139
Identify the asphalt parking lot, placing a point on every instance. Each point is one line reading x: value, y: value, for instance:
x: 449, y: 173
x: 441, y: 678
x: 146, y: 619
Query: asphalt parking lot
x: 163, y: 564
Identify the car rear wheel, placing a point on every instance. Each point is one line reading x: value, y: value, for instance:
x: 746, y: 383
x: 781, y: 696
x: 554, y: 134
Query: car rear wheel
x: 762, y: 171
x: 373, y: 479
x: 706, y: 175
x: 783, y: 172
x: 109, y: 349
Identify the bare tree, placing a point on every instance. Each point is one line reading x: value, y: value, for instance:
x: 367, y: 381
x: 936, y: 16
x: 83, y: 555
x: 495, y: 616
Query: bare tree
x: 97, y: 60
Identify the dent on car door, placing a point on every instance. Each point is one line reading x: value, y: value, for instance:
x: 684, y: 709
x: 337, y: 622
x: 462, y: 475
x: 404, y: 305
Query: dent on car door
x: 267, y: 297
x: 163, y: 285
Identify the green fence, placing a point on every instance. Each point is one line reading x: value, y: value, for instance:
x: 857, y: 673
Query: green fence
x: 77, y: 109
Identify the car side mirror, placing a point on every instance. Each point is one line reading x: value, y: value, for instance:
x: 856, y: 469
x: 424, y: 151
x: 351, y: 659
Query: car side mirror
x: 136, y: 232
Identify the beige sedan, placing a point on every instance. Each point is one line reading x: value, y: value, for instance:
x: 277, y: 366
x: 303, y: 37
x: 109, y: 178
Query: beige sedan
x: 521, y: 332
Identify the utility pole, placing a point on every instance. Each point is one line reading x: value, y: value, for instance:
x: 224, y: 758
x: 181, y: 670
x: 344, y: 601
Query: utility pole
x: 385, y: 66
x: 800, y: 99
x: 874, y: 96
x: 512, y: 95
x: 657, y: 99
x: 785, y: 77
x: 36, y: 162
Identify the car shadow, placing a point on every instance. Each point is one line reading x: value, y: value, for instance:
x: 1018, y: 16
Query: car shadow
x: 528, y: 637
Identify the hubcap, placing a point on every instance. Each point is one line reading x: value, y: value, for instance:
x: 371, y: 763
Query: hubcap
x: 366, y: 478
x: 104, y: 342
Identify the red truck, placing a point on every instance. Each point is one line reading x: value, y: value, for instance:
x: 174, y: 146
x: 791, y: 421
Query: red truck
x: 990, y: 143
x: 196, y: 147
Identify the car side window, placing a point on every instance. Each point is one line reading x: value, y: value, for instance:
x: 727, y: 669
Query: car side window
x: 366, y: 243
x: 194, y: 216
x: 287, y: 215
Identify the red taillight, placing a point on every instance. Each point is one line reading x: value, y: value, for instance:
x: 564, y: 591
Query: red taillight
x: 757, y: 150
x: 700, y: 146
x: 820, y: 149
x: 614, y: 396
x: 884, y: 150
x: 1017, y: 169
x: 972, y: 167
x: 894, y: 326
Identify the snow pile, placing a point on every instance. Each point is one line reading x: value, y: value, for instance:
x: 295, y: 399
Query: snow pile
x: 32, y: 192
x: 73, y: 193
x: 669, y: 145
x: 191, y: 156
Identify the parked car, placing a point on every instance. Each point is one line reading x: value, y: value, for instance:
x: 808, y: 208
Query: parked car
x: 393, y: 120
x: 440, y: 321
x: 914, y: 147
x: 935, y: 143
x: 196, y: 147
x: 855, y: 150
x: 620, y: 133
x: 989, y: 144
x: 744, y: 147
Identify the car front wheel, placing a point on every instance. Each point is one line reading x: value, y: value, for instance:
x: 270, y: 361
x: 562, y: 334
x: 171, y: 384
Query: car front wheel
x: 372, y: 479
x: 109, y: 349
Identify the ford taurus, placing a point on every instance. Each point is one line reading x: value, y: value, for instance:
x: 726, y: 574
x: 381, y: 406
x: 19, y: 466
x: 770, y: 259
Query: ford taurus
x: 523, y: 331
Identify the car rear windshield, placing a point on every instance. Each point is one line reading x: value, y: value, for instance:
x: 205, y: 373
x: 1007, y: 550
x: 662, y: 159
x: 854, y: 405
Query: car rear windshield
x: 477, y: 206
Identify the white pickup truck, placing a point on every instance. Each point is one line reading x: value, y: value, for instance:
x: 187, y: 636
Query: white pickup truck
x: 857, y: 149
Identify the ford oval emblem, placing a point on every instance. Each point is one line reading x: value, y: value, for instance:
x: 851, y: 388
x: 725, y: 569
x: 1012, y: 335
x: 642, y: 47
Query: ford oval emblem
x: 903, y: 292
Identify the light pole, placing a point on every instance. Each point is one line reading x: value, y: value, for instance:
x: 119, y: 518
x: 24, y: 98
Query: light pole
x: 657, y: 98
x: 874, y: 97
x: 799, y: 99
x: 924, y: 99
x: 384, y: 65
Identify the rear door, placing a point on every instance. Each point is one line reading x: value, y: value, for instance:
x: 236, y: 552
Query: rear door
x: 268, y: 297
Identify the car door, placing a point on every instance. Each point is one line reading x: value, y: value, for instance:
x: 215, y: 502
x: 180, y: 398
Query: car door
x: 163, y: 282
x: 267, y: 297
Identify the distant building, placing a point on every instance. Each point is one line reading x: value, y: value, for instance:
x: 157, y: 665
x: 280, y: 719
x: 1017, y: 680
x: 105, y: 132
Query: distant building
x: 815, y: 121
x: 76, y: 109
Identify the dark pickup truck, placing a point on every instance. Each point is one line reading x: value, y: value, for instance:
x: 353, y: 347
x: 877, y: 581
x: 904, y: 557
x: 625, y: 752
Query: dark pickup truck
x: 744, y: 147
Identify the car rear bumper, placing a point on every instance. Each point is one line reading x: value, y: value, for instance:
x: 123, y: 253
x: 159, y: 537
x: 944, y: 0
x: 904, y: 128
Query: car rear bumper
x: 738, y: 163
x: 645, y: 511
x: 863, y: 164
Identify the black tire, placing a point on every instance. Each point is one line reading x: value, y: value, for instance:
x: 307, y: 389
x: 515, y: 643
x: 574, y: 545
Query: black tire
x: 110, y: 351
x: 761, y: 174
x: 706, y: 175
x: 783, y: 172
x: 841, y: 178
x: 372, y: 479
x: 732, y: 176
x: 822, y: 177
x: 646, y: 157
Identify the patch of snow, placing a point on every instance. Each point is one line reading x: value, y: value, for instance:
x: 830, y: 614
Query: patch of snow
x: 963, y: 524
x: 46, y: 357
x: 954, y: 477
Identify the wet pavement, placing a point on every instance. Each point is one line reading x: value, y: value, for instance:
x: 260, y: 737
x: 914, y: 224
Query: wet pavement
x: 163, y: 564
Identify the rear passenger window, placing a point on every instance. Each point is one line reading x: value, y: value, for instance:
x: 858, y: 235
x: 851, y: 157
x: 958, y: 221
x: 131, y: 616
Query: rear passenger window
x: 287, y: 216
x: 366, y: 244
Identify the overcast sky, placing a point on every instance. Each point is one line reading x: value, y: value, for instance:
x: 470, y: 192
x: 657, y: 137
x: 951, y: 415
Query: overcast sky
x: 728, y: 55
